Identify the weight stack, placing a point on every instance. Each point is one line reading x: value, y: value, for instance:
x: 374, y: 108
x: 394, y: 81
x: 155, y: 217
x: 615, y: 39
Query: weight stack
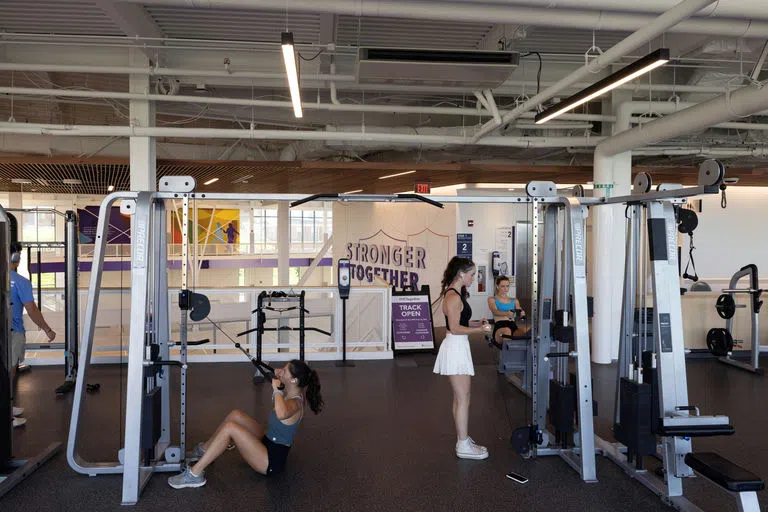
x: 562, y: 406
x: 650, y: 378
x: 634, y: 429
x: 648, y: 341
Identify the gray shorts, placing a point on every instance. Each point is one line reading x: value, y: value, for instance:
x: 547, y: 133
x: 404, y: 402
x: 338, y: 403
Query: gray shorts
x: 18, y: 342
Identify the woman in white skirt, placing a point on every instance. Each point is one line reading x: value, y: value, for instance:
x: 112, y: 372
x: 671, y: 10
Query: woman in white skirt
x: 454, y: 357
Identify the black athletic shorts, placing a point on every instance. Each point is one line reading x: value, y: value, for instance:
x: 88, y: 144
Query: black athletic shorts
x: 277, y: 454
x: 501, y: 324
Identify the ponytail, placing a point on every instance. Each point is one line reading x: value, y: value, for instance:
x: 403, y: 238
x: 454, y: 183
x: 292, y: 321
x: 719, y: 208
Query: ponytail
x: 308, y: 379
x: 314, y: 397
x: 456, y: 265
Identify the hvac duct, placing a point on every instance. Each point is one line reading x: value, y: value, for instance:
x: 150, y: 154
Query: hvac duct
x: 495, y: 13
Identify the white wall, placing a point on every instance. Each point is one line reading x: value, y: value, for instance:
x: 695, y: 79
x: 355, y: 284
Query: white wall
x: 727, y: 239
x: 417, y: 225
x: 487, y: 217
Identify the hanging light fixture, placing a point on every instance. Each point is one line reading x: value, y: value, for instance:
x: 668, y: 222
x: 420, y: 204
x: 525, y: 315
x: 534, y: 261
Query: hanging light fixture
x: 291, y: 70
x: 630, y: 72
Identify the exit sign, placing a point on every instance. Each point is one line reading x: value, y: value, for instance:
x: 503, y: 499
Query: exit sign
x: 423, y: 188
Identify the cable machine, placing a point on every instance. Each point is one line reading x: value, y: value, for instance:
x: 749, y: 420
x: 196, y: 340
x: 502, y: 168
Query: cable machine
x: 12, y: 470
x: 69, y: 244
x: 147, y: 447
x: 653, y: 416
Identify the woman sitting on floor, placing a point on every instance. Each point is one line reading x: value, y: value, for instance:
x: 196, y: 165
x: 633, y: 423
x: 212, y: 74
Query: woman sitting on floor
x: 264, y: 450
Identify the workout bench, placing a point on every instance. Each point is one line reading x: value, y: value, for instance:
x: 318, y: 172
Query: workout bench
x: 738, y: 481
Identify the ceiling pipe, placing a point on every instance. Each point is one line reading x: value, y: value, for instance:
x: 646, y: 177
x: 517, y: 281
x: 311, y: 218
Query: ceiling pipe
x: 760, y: 152
x: 336, y: 105
x: 508, y: 88
x: 404, y: 138
x: 210, y: 100
x: 158, y: 71
x: 640, y: 37
x: 757, y: 152
x: 723, y: 9
x: 491, y: 12
x: 333, y: 107
x: 746, y: 101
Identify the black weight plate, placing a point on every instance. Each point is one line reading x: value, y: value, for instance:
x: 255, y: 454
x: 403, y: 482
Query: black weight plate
x: 726, y: 306
x: 687, y: 220
x: 719, y: 341
x: 201, y: 306
x: 521, y: 440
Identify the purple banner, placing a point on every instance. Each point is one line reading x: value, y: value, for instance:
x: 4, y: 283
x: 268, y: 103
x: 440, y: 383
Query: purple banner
x: 411, y: 322
x: 119, y: 231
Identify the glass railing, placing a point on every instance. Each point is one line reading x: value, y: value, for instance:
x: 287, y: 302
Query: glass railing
x: 368, y: 321
x: 113, y: 251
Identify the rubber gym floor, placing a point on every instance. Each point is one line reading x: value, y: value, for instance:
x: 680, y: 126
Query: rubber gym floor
x: 384, y: 442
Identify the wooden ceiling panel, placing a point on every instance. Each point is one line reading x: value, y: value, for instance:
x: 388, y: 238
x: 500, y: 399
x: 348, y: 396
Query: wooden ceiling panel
x: 47, y: 175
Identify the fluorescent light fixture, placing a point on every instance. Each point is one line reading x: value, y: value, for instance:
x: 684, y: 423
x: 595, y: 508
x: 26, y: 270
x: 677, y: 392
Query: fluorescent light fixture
x: 289, y: 57
x: 353, y: 191
x: 242, y: 179
x: 630, y: 72
x: 21, y: 181
x: 398, y: 174
x: 212, y: 180
x: 69, y: 181
x: 110, y: 188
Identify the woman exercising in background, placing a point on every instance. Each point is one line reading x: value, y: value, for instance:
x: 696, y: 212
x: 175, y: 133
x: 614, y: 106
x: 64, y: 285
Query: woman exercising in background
x: 503, y: 308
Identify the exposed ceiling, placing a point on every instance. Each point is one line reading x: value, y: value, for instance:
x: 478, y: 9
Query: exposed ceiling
x: 182, y: 35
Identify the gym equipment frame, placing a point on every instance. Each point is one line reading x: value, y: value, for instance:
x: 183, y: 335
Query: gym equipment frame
x: 652, y: 389
x: 755, y: 304
x: 12, y: 471
x: 552, y: 334
x: 69, y: 244
x: 147, y: 421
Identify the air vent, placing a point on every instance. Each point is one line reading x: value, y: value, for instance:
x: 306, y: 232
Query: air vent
x: 452, y: 68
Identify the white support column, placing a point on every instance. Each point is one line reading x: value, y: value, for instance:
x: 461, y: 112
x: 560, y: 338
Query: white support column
x: 283, y: 259
x: 15, y: 200
x: 612, y: 178
x: 283, y: 243
x: 142, y: 114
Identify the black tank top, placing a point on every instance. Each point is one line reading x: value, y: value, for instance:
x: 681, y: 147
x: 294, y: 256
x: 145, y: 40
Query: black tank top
x: 466, y: 311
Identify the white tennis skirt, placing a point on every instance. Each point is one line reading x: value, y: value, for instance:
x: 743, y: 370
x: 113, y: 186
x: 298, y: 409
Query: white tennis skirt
x: 454, y: 356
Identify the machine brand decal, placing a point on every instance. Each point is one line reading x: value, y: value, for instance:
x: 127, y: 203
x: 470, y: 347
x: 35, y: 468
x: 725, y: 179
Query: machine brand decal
x: 140, y: 257
x: 672, y: 242
x: 578, y: 243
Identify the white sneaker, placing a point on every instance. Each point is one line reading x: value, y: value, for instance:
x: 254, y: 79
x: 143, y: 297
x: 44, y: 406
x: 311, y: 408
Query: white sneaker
x: 19, y: 422
x: 467, y: 449
x: 18, y: 411
x: 481, y: 448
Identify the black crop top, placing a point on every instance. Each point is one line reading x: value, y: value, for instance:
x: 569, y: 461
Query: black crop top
x: 466, y: 311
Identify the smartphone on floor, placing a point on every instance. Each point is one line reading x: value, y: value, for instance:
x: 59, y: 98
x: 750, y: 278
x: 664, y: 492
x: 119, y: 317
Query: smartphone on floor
x: 517, y: 478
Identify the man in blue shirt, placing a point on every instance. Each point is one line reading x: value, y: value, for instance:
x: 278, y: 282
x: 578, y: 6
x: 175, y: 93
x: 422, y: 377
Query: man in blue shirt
x: 22, y: 298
